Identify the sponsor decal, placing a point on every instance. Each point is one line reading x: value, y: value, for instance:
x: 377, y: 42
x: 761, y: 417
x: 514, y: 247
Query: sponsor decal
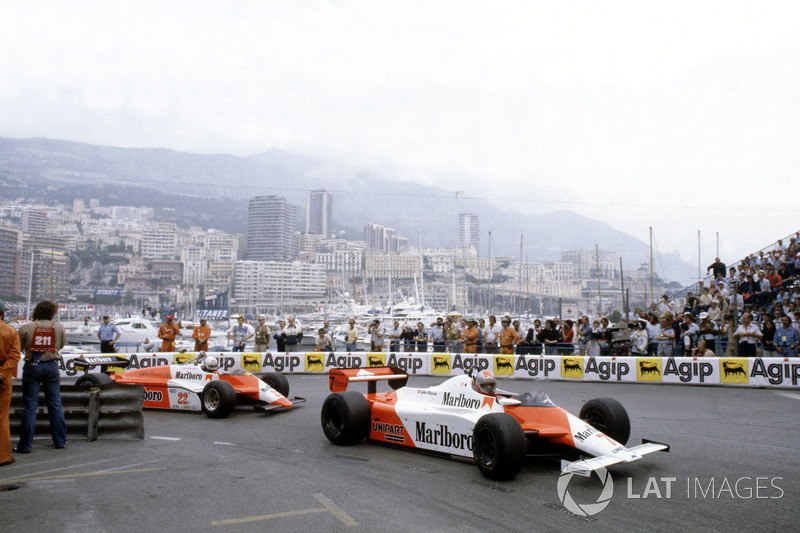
x: 441, y: 435
x: 153, y: 395
x: 688, y: 370
x: 648, y: 369
x: 776, y: 371
x: 182, y: 357
x: 281, y: 362
x: 251, y: 362
x: 581, y: 436
x: 536, y: 366
x: 376, y: 359
x: 504, y: 365
x: 188, y: 375
x: 605, y: 370
x: 572, y: 367
x: 733, y: 370
x: 315, y: 362
x: 460, y: 401
x: 441, y: 364
x: 391, y: 432
x: 408, y: 363
x: 469, y: 362
x: 342, y: 361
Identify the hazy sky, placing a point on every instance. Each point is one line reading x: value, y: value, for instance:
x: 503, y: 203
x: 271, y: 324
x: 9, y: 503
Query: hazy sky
x: 683, y: 116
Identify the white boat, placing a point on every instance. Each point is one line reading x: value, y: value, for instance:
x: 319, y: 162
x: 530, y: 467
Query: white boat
x: 132, y: 331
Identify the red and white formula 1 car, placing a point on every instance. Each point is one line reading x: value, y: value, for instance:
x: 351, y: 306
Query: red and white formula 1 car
x: 194, y: 385
x: 467, y: 416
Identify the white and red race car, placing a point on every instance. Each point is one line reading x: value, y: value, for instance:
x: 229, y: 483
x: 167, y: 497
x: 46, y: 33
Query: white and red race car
x: 466, y: 416
x: 195, y: 385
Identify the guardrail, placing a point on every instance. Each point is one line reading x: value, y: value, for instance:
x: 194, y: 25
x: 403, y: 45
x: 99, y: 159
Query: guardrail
x: 109, y: 412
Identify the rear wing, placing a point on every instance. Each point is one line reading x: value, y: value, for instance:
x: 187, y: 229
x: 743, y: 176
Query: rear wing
x: 106, y: 363
x: 339, y: 378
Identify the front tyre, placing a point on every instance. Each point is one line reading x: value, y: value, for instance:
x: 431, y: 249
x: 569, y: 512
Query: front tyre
x: 276, y: 381
x: 219, y: 399
x: 93, y: 380
x: 498, y: 446
x: 607, y: 415
x: 345, y: 417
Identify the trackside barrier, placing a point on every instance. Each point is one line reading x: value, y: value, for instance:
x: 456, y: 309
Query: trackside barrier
x: 781, y: 372
x: 109, y: 412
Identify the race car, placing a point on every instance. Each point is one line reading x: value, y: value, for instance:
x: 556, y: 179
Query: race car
x: 194, y: 385
x: 467, y: 416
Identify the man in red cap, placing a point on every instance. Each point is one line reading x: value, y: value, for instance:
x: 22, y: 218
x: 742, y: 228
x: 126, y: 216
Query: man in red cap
x: 167, y: 333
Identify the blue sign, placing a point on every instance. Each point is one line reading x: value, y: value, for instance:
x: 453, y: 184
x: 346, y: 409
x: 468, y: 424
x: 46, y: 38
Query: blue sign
x: 107, y: 292
x: 212, y: 314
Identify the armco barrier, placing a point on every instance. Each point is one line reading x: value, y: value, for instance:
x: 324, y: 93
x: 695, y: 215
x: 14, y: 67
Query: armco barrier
x: 781, y: 372
x: 108, y: 412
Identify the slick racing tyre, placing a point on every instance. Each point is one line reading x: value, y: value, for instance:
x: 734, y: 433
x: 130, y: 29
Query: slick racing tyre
x: 276, y: 381
x: 607, y: 415
x: 498, y: 446
x: 218, y: 399
x: 345, y: 417
x: 93, y: 380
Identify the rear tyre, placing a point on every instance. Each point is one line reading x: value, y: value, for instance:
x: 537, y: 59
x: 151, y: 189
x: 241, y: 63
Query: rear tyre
x: 498, y: 446
x: 93, y: 380
x: 219, y: 399
x: 345, y: 417
x: 276, y: 381
x: 607, y: 415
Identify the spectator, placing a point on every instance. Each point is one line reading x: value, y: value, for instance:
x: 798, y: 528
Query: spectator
x: 470, y: 338
x: 767, y: 337
x: 707, y: 330
x: 9, y: 359
x: 452, y: 335
x: 201, y: 334
x: 639, y: 339
x: 653, y: 331
x: 240, y: 333
x: 106, y: 333
x: 323, y: 341
x: 567, y: 336
x: 280, y: 337
x: 377, y: 336
x: 508, y: 337
x: 747, y: 335
x: 394, y: 335
x: 351, y: 337
x: 603, y: 336
x: 41, y: 372
x: 481, y: 336
x: 527, y: 345
x: 168, y: 331
x: 787, y: 338
x: 421, y: 337
x: 293, y: 335
x: 407, y: 336
x: 704, y: 302
x: 717, y: 268
x: 550, y: 338
x: 593, y: 346
x: 262, y: 335
x: 691, y: 303
x: 714, y: 313
x: 437, y: 335
x: 703, y: 350
x: 491, y: 334
x: 665, y: 338
x: 666, y: 305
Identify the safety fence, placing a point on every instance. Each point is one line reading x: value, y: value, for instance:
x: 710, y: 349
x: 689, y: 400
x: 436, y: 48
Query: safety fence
x: 783, y: 372
x: 108, y: 412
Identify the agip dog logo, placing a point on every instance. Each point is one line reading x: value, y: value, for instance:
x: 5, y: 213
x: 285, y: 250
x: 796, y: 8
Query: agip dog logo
x: 376, y: 359
x: 733, y: 370
x: 504, y: 365
x: 441, y: 363
x: 572, y: 367
x: 182, y: 357
x: 315, y: 362
x: 251, y: 362
x: 648, y: 369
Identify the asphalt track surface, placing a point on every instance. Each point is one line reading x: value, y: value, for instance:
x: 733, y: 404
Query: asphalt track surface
x: 735, y: 460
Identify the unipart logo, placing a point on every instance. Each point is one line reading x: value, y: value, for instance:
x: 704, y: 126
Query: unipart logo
x: 389, y: 429
x: 188, y: 375
x: 460, y: 401
x: 442, y: 436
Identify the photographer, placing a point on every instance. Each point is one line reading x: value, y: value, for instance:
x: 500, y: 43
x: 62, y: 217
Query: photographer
x: 376, y: 336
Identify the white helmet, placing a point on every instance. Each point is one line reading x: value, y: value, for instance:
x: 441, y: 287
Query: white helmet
x: 210, y: 363
x: 484, y: 382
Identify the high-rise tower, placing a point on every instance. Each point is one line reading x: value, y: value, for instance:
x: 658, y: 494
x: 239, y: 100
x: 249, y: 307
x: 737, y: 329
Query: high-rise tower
x: 271, y: 225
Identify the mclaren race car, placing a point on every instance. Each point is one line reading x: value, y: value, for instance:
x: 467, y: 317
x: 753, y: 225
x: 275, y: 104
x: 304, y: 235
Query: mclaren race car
x: 194, y: 385
x: 467, y: 416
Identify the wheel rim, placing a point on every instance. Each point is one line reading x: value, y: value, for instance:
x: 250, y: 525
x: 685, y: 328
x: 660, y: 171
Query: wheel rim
x: 334, y: 420
x: 211, y: 399
x: 486, y: 447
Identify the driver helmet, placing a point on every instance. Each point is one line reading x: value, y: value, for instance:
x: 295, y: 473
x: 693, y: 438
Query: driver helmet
x: 484, y: 382
x: 210, y: 363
